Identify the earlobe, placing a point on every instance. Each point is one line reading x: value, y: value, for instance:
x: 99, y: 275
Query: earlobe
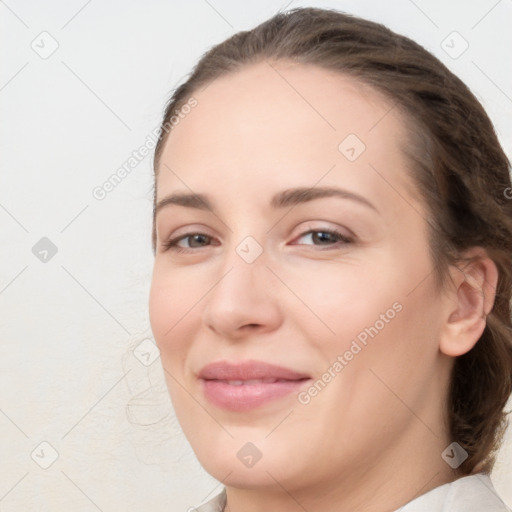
x: 470, y: 300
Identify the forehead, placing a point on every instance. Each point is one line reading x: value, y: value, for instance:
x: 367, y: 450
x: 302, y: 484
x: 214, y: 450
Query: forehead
x: 279, y: 121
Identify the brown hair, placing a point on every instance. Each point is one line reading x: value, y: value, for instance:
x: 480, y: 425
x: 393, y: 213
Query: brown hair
x: 460, y: 169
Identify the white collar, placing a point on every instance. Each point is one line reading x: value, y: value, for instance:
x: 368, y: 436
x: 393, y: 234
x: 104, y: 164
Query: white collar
x: 472, y: 493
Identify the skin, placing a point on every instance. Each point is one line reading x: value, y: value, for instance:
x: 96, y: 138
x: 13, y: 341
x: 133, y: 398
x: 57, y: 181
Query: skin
x: 372, y: 438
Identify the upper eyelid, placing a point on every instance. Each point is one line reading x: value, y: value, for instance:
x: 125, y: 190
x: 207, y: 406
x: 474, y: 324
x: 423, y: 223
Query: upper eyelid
x: 304, y: 230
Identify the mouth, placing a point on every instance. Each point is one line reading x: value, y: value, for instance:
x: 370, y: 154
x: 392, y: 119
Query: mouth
x: 249, y: 384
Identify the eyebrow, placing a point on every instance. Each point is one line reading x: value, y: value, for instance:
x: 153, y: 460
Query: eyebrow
x: 286, y: 198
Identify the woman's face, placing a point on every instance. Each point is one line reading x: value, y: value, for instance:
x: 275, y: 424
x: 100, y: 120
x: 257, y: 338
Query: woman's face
x: 306, y: 251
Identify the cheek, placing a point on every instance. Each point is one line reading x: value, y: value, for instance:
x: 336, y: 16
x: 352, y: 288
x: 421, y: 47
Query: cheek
x: 369, y: 363
x: 393, y: 350
x: 375, y: 309
x: 170, y: 318
x: 338, y: 299
x: 171, y: 303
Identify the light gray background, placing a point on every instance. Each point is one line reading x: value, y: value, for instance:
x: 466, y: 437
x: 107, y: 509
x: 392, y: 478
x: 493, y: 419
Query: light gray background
x: 69, y: 325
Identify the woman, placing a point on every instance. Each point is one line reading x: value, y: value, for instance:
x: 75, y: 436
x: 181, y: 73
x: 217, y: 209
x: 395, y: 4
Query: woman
x: 332, y: 280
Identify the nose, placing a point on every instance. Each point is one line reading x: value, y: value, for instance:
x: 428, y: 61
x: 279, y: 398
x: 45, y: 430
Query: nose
x: 243, y: 301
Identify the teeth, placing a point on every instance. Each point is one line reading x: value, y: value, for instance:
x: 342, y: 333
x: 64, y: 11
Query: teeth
x: 251, y: 381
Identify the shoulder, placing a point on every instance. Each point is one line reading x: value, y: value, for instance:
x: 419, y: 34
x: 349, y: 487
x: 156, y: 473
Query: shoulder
x: 473, y: 493
x: 216, y: 504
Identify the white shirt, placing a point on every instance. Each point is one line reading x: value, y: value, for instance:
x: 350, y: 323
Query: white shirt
x: 473, y: 493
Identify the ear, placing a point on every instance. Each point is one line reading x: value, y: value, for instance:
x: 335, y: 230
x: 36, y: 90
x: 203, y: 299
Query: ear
x: 470, y: 300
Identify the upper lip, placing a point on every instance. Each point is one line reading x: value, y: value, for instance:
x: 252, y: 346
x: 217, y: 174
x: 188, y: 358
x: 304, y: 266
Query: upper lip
x: 248, y: 370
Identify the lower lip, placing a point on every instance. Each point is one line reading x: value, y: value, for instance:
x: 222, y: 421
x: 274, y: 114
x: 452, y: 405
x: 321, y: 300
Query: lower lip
x: 248, y: 396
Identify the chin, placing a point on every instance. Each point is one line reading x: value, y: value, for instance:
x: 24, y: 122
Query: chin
x: 231, y: 472
x: 249, y: 461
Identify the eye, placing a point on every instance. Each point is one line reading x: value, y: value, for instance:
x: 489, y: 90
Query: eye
x: 196, y: 241
x: 325, y: 237
x: 319, y: 237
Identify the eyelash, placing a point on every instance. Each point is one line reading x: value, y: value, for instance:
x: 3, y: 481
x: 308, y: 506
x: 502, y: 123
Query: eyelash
x: 172, y: 244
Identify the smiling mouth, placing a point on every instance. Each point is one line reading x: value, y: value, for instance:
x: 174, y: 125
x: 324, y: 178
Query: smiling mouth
x: 247, y: 385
